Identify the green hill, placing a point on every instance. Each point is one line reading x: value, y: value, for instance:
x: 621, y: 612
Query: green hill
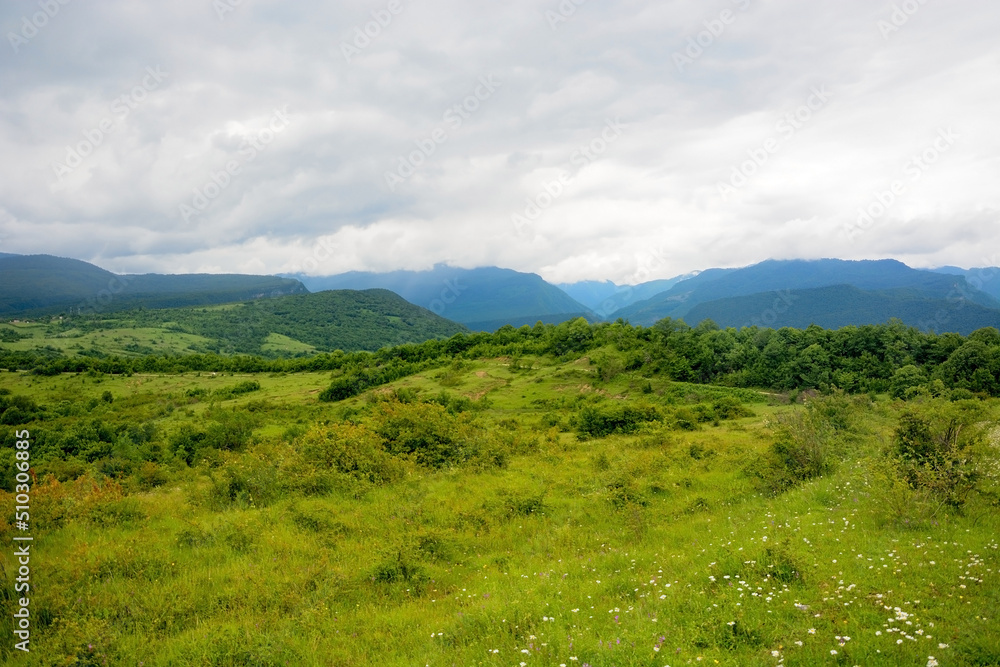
x: 33, y: 285
x: 302, y: 323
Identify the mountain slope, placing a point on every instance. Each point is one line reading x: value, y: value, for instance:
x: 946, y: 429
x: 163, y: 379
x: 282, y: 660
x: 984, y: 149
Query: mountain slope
x: 606, y: 297
x: 986, y: 279
x: 474, y: 297
x: 843, y: 305
x: 301, y: 323
x: 778, y: 275
x: 41, y: 284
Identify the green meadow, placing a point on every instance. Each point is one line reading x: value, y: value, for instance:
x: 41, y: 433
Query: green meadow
x: 510, y: 510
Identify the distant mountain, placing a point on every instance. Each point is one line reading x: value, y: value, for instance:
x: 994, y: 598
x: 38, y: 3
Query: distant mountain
x: 843, y: 305
x: 606, y: 297
x: 43, y: 284
x: 478, y: 298
x: 778, y: 275
x: 986, y: 279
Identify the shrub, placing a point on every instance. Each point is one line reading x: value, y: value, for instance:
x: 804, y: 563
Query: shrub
x: 599, y: 421
x: 806, y: 445
x: 352, y: 450
x: 424, y: 431
x: 938, y: 448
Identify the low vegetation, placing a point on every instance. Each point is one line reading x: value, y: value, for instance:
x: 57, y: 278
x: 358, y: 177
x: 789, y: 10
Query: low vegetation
x: 575, y: 495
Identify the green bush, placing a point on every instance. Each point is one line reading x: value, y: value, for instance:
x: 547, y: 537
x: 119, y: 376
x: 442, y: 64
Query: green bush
x: 424, y: 431
x: 353, y: 450
x: 939, y: 448
x: 806, y: 445
x: 616, y: 417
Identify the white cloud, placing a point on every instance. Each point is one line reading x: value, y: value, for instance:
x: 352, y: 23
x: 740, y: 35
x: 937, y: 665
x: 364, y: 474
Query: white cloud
x: 654, y: 187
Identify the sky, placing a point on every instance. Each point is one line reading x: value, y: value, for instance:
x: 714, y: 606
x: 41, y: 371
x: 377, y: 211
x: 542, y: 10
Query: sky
x: 618, y: 140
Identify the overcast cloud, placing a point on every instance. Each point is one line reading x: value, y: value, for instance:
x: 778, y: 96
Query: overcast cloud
x: 617, y: 140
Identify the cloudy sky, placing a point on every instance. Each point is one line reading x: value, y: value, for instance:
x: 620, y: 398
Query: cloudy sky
x: 619, y: 140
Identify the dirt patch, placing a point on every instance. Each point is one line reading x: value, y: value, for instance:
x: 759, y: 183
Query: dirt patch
x: 481, y: 374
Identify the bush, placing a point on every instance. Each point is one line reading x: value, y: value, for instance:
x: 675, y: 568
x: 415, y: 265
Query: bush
x: 424, y: 431
x: 939, y: 447
x: 248, y: 480
x: 352, y: 450
x: 806, y: 445
x: 599, y: 421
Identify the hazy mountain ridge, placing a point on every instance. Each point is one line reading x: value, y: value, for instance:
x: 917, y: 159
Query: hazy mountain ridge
x: 780, y: 275
x: 839, y: 306
x: 469, y: 296
x: 44, y: 284
x: 828, y: 292
x: 985, y: 278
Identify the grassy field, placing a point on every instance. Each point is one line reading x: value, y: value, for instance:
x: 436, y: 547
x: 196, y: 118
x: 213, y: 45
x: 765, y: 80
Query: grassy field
x: 498, y: 512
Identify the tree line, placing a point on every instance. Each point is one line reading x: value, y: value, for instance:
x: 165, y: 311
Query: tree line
x: 872, y: 358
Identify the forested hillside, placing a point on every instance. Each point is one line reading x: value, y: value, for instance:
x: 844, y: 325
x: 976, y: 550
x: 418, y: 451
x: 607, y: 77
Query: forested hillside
x: 298, y: 324
x: 882, y: 279
x: 870, y: 358
x: 844, y: 305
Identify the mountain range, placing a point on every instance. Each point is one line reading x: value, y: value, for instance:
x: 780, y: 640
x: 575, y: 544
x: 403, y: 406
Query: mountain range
x: 482, y: 299
x: 775, y: 293
x: 32, y: 285
x: 888, y: 288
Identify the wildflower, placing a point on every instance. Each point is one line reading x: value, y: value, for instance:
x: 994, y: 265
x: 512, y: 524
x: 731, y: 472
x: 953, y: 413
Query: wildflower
x: 812, y: 631
x: 931, y: 662
x: 833, y: 651
x: 942, y: 646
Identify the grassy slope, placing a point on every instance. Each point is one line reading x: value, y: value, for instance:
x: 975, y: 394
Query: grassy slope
x: 538, y: 563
